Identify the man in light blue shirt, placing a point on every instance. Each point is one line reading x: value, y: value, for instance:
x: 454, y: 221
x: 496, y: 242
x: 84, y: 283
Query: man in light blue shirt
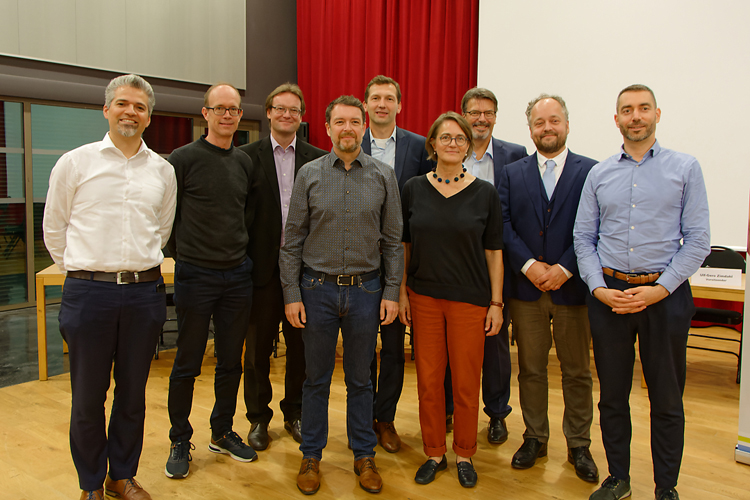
x: 635, y: 209
x: 405, y: 153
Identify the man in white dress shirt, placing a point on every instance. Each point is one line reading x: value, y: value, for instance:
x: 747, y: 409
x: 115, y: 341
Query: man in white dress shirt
x: 109, y: 212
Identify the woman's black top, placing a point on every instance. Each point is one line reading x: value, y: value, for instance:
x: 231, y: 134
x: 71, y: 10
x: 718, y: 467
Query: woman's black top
x: 448, y: 238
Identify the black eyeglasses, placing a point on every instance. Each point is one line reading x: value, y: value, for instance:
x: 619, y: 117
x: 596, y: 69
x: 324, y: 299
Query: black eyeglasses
x: 280, y: 110
x: 476, y: 114
x: 221, y: 110
x: 445, y: 140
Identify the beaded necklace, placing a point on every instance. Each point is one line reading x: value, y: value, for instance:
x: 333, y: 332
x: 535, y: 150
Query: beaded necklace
x: 448, y: 181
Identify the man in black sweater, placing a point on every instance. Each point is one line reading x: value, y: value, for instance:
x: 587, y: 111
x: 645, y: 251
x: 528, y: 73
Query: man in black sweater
x: 212, y: 276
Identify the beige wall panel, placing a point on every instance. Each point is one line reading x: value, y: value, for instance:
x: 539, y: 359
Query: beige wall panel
x: 9, y: 27
x: 101, y: 34
x: 226, y: 49
x: 47, y: 30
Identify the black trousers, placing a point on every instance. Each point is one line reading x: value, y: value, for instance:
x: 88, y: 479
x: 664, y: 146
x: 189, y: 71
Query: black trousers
x: 266, y: 314
x: 106, y: 323
x: 387, y: 385
x: 662, y: 331
x: 495, y: 374
x: 200, y: 294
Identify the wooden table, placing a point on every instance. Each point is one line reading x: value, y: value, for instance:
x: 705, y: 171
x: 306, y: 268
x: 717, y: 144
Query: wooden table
x: 52, y: 276
x: 732, y: 293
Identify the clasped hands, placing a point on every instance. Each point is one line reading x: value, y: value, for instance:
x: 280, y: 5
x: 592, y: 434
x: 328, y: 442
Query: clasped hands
x: 546, y: 277
x: 632, y: 300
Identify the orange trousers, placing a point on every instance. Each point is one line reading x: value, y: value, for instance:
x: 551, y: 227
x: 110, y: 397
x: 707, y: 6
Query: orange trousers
x: 443, y: 329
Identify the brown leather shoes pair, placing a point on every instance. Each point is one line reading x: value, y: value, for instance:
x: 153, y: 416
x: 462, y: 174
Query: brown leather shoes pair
x: 92, y: 495
x: 387, y: 436
x: 308, y: 479
x: 127, y: 489
x: 369, y: 479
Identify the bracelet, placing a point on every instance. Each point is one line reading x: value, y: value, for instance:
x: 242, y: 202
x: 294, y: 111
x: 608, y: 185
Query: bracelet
x: 498, y: 304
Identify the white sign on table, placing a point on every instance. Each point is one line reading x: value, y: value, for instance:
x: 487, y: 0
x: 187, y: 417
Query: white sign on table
x: 717, y: 276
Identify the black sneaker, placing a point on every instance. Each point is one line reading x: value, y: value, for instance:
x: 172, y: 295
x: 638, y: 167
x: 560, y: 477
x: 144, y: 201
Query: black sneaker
x: 232, y: 445
x: 612, y: 489
x: 178, y: 464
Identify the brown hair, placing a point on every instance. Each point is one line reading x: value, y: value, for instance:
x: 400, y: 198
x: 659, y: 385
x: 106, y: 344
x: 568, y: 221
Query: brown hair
x: 292, y: 88
x: 383, y: 80
x: 432, y: 134
x: 346, y: 100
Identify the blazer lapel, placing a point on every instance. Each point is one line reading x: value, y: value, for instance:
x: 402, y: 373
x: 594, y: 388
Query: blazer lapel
x: 401, y: 146
x: 533, y: 185
x: 562, y: 188
x: 265, y: 153
x: 366, y: 142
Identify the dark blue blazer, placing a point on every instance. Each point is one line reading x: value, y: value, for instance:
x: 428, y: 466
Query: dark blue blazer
x: 411, y: 155
x: 522, y: 198
x: 504, y: 153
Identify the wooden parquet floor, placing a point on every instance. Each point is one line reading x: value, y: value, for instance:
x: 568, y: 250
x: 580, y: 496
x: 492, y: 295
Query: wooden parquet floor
x: 35, y: 460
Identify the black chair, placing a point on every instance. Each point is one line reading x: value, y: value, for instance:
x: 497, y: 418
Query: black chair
x: 724, y: 258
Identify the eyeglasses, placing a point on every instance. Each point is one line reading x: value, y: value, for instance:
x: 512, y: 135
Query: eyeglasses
x: 476, y: 114
x: 446, y: 139
x: 280, y: 110
x: 221, y: 110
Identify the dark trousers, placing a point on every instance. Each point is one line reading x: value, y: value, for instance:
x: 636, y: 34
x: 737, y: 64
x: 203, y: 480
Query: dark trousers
x: 495, y: 375
x: 105, y: 323
x: 266, y: 314
x: 388, y: 383
x: 662, y: 331
x: 199, y: 294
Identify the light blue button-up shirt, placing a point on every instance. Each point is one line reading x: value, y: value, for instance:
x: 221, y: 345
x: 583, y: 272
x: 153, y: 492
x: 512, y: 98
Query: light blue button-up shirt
x: 483, y: 169
x: 386, y: 154
x: 632, y: 216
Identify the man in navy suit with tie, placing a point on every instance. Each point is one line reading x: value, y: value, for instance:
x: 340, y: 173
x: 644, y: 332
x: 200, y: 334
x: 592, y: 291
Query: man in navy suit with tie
x: 540, y: 195
x: 277, y: 159
x: 479, y: 107
x: 405, y: 152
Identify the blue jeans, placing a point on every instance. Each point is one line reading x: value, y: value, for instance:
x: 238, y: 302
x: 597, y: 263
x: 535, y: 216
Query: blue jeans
x: 356, y: 311
x: 199, y: 294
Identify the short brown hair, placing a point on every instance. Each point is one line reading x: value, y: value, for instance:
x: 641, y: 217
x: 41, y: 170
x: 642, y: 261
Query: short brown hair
x: 345, y: 100
x: 432, y: 134
x: 637, y: 87
x: 383, y: 80
x: 292, y: 88
x: 477, y: 93
x: 220, y: 84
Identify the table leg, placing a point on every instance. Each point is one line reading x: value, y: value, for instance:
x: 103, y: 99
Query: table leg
x: 41, y: 328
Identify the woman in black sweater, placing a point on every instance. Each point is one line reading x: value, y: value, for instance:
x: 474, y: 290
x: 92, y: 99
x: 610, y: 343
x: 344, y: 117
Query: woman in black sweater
x: 451, y: 294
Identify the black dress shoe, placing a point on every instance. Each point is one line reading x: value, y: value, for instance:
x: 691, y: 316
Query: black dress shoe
x: 467, y: 476
x: 426, y: 473
x: 294, y: 427
x: 527, y: 454
x: 497, y: 431
x: 666, y: 494
x: 258, y: 436
x: 584, y: 464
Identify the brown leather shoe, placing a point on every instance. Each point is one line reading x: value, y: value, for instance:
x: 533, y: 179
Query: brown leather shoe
x: 387, y: 436
x: 93, y: 495
x: 369, y: 479
x: 308, y: 479
x: 127, y: 489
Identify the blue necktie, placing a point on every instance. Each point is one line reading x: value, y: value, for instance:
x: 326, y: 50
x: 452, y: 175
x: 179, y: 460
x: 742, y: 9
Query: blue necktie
x: 548, y: 179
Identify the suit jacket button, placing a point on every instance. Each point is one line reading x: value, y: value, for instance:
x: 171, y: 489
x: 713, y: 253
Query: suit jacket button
x: 541, y: 233
x: 541, y: 258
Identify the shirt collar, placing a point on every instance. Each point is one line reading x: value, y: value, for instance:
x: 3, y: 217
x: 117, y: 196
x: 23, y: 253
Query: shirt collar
x: 391, y: 138
x: 275, y: 143
x: 488, y: 152
x: 655, y: 150
x: 108, y: 144
x: 559, y: 159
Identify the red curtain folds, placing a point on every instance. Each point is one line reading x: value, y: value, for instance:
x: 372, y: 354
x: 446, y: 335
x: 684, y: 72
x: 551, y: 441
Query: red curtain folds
x: 428, y: 46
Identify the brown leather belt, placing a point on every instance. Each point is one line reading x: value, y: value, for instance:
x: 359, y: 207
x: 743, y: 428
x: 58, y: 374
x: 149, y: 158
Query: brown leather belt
x: 633, y: 279
x: 121, y: 277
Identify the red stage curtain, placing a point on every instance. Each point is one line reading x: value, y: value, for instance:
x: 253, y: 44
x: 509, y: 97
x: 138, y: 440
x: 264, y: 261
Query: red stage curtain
x: 428, y: 46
